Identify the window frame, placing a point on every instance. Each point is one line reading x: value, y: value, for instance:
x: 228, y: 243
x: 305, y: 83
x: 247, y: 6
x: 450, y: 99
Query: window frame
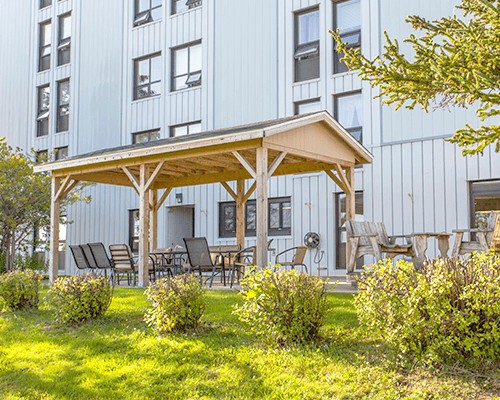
x: 336, y: 112
x: 297, y: 104
x: 188, y: 75
x: 61, y: 119
x: 137, y: 86
x: 61, y: 153
x: 43, y: 113
x: 44, y: 4
x: 281, y: 231
x: 146, y: 16
x: 64, y: 43
x: 148, y: 132
x: 340, y: 67
x: 41, y: 156
x: 477, y: 189
x: 188, y: 125
x: 41, y: 48
x: 308, y: 52
x: 190, y: 3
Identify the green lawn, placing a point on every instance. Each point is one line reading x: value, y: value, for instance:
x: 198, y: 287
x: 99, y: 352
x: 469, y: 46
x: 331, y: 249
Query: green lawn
x: 119, y: 357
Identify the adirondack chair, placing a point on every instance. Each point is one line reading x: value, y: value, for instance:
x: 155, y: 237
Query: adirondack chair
x: 483, y: 237
x: 371, y: 238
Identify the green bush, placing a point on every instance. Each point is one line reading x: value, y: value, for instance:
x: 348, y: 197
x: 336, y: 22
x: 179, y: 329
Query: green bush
x: 177, y: 304
x: 76, y: 299
x: 450, y: 312
x: 19, y: 289
x: 285, y: 306
x: 33, y: 262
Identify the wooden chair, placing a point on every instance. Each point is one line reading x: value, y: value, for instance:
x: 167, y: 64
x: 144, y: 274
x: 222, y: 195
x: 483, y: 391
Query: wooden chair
x: 483, y: 237
x: 124, y: 263
x: 297, y: 259
x: 371, y: 238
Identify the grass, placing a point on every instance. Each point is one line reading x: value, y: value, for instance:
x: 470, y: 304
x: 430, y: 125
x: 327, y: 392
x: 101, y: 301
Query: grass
x: 119, y: 357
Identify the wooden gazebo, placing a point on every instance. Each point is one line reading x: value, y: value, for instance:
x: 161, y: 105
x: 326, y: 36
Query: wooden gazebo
x: 299, y: 144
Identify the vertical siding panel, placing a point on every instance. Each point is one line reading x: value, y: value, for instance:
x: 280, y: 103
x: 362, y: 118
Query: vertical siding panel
x: 407, y: 188
x: 440, y: 195
x: 449, y: 168
x: 378, y: 193
x: 462, y: 191
x: 397, y: 192
x: 387, y: 188
x: 418, y: 184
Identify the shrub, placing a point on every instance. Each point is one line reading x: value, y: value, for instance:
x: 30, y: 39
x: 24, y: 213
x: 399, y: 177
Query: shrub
x: 33, y: 262
x: 286, y: 306
x: 177, y: 304
x: 450, y: 312
x: 76, y: 299
x: 19, y: 289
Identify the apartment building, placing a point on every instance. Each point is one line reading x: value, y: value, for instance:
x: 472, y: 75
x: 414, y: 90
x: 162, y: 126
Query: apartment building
x: 80, y: 76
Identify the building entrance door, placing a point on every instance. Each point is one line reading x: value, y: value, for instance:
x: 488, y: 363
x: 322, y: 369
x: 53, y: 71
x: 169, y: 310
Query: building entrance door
x: 180, y: 224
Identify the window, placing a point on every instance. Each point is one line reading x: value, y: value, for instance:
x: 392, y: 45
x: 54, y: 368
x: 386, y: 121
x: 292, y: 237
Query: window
x: 133, y: 230
x: 147, y: 11
x: 485, y: 198
x: 64, y: 46
x: 347, y: 19
x: 179, y: 6
x: 45, y: 3
x: 306, y: 107
x: 185, y: 129
x: 186, y: 67
x: 349, y: 113
x: 63, y: 106
x: 306, y: 45
x: 61, y: 153
x: 41, y: 156
x: 148, y: 77
x: 341, y: 232
x: 147, y: 136
x: 43, y: 111
x: 45, y: 43
x: 279, y: 218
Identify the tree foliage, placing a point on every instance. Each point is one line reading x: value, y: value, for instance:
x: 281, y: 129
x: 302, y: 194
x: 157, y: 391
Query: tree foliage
x: 456, y: 62
x: 24, y: 201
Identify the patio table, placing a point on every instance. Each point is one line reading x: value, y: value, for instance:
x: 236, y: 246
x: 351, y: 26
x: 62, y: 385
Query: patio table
x: 169, y: 260
x: 420, y: 243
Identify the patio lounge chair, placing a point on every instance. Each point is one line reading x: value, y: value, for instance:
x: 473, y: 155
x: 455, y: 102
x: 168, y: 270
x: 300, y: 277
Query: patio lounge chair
x: 124, y: 263
x: 243, y: 259
x: 80, y: 259
x: 101, y: 258
x: 481, y: 242
x: 200, y: 259
x: 297, y: 259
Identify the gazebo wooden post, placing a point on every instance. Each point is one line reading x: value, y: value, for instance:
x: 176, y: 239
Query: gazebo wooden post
x: 54, y: 230
x: 350, y: 209
x: 143, y: 225
x: 240, y: 213
x: 261, y: 178
x: 153, y: 219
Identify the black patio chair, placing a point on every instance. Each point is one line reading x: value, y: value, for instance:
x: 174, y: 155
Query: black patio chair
x: 200, y: 259
x: 101, y: 259
x: 89, y: 256
x: 243, y: 259
x: 80, y: 259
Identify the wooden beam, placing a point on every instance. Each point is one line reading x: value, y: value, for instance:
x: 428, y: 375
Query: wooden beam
x: 309, y: 155
x: 109, y: 178
x: 243, y: 161
x: 250, y: 191
x: 275, y: 164
x: 347, y: 185
x: 143, y: 227
x: 240, y: 213
x: 262, y: 206
x: 133, y: 179
x: 197, y: 165
x: 70, y: 188
x: 336, y: 180
x: 154, y: 175
x: 54, y: 230
x: 153, y: 219
x: 201, y: 179
x: 229, y: 190
x: 62, y: 188
x: 162, y: 198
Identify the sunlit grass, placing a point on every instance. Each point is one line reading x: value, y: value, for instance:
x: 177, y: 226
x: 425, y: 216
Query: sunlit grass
x: 119, y: 357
